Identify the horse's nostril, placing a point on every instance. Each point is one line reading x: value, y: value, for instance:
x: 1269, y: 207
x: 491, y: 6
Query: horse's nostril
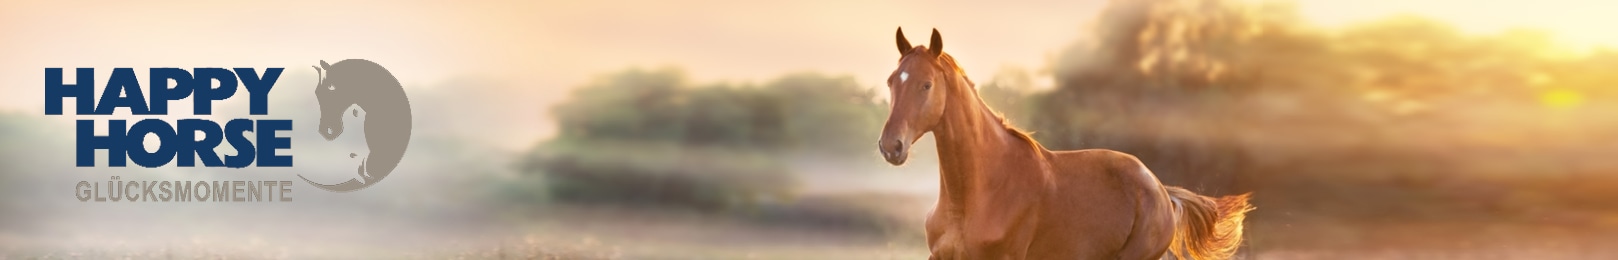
x: 890, y: 148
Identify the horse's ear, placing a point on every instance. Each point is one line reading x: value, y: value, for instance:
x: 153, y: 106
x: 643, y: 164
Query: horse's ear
x: 324, y: 65
x: 937, y: 44
x: 904, y: 45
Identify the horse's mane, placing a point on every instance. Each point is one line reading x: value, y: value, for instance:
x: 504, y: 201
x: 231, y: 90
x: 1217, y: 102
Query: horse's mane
x: 950, y: 68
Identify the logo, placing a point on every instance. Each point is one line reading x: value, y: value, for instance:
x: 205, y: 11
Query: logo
x: 350, y: 85
x: 178, y: 142
x: 366, y: 86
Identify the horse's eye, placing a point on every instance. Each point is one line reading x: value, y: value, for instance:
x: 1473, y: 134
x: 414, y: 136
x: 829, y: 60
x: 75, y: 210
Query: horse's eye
x: 928, y: 85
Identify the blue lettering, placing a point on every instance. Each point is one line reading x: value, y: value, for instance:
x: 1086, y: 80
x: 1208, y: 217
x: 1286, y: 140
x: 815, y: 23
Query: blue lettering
x: 258, y: 89
x: 123, y: 81
x: 162, y: 94
x: 193, y: 148
x: 136, y: 143
x: 81, y: 92
x: 244, y: 149
x: 89, y: 142
x: 206, y: 93
x: 178, y: 142
x: 268, y: 143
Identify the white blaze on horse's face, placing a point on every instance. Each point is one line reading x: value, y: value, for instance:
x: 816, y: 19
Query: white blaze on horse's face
x: 915, y: 107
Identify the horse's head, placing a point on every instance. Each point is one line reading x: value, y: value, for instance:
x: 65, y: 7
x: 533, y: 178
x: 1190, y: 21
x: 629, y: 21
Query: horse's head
x: 917, y: 89
x: 333, y: 101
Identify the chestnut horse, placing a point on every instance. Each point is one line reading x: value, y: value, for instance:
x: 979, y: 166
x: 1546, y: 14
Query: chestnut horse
x: 1004, y: 196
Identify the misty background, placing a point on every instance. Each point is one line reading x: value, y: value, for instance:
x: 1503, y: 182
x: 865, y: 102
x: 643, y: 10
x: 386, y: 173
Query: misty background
x: 605, y: 131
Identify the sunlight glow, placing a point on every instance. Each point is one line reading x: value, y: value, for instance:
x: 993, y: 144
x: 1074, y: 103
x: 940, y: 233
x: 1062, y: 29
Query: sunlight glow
x: 1561, y: 98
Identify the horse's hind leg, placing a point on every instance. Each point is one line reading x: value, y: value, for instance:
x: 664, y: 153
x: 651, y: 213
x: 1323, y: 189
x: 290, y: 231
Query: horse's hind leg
x: 1153, y: 229
x: 1135, y: 251
x: 1148, y: 239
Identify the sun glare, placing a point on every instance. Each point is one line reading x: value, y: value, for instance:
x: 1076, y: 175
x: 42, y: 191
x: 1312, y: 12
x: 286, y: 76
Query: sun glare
x: 1561, y: 98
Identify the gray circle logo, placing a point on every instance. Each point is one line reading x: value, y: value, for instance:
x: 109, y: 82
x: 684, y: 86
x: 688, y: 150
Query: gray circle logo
x: 367, y: 86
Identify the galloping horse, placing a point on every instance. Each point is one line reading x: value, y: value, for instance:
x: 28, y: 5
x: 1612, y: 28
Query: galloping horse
x: 1004, y: 196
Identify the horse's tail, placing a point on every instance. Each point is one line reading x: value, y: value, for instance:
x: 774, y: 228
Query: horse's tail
x: 1208, y: 228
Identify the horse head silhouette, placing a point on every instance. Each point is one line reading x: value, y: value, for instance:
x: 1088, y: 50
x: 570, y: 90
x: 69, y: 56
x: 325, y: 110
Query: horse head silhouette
x: 362, y: 83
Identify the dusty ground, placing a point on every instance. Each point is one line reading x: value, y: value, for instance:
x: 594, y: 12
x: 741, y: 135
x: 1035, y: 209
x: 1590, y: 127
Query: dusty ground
x: 571, y: 232
x: 556, y: 233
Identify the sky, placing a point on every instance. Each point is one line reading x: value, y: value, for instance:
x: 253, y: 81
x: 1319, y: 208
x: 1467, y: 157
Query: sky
x: 1577, y: 23
x: 532, y: 52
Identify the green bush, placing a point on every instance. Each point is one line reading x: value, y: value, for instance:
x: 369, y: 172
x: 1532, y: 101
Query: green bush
x: 649, y: 138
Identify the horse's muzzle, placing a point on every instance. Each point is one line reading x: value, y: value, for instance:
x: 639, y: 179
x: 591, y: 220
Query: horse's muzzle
x: 894, y: 150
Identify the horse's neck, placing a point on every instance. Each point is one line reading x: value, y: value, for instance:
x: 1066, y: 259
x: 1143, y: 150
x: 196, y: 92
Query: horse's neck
x: 968, y: 126
x: 970, y: 138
